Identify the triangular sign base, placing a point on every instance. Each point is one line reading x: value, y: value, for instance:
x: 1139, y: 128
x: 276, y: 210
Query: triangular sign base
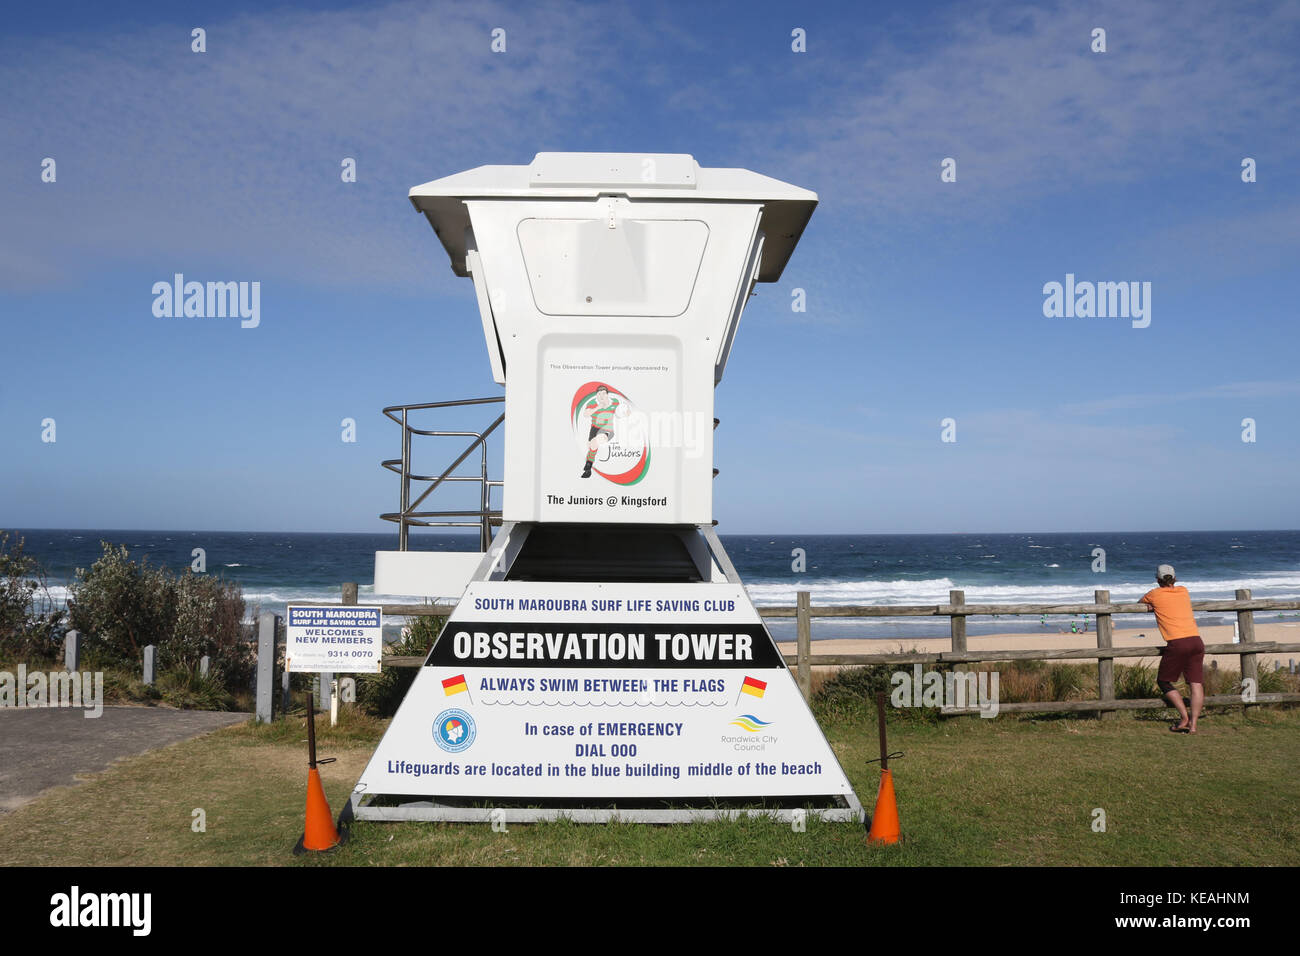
x: 604, y: 701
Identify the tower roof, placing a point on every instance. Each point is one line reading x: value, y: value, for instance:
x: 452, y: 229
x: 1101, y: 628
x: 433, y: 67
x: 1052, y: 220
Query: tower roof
x: 660, y: 177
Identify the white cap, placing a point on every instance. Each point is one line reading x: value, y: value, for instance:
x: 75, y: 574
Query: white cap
x: 1165, y: 571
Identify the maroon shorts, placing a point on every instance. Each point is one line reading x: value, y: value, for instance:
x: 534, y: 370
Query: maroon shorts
x: 1183, y: 655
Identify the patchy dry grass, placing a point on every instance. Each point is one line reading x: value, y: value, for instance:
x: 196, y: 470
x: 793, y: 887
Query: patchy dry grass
x: 971, y: 791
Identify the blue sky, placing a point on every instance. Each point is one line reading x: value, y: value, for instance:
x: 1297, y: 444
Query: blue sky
x: 924, y: 298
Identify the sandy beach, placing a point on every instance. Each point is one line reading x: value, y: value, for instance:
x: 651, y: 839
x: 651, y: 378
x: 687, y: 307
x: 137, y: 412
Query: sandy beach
x: 1280, y: 632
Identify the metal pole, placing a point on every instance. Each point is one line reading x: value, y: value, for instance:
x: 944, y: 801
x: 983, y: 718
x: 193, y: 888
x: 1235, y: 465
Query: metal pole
x: 406, y: 484
x: 484, y: 538
x: 456, y: 464
x: 880, y: 720
x: 311, y: 732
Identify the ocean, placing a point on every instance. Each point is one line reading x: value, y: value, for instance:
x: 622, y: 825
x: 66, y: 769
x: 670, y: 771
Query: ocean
x: 275, y: 569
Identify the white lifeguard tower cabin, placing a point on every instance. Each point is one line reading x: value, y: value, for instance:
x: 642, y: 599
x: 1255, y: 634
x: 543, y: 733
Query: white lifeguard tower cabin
x: 610, y: 287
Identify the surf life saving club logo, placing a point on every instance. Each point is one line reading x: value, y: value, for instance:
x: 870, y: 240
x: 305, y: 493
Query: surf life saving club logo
x: 616, y: 448
x: 454, y: 730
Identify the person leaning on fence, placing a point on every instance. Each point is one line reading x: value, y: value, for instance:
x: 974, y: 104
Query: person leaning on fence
x: 1184, y: 651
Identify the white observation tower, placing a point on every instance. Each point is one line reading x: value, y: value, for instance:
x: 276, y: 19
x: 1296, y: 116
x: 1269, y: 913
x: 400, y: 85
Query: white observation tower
x: 603, y: 659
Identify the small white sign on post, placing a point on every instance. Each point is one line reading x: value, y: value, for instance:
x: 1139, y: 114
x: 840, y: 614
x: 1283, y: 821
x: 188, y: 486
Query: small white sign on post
x: 346, y: 639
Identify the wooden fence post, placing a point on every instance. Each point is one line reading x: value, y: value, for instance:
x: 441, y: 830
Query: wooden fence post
x: 1246, y: 625
x: 1105, y: 665
x: 804, y: 636
x: 958, y: 622
x: 325, y: 681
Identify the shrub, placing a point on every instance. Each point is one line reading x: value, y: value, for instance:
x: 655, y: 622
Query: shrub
x: 1135, y: 681
x: 1274, y: 680
x: 1026, y: 666
x: 209, y: 623
x: 1064, y: 681
x: 852, y: 693
x: 859, y: 683
x: 381, y: 694
x: 121, y: 607
x: 1219, y: 680
x: 30, y: 627
x: 1020, y: 685
x: 187, y: 690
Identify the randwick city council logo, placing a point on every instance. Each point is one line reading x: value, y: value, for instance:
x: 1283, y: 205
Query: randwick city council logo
x: 754, y: 737
x: 454, y: 731
x: 613, y: 440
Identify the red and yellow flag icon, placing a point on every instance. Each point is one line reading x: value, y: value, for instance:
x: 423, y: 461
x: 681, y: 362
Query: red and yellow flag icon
x: 753, y: 686
x: 454, y: 685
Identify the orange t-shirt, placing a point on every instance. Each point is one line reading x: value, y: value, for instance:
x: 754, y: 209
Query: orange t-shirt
x: 1173, y: 611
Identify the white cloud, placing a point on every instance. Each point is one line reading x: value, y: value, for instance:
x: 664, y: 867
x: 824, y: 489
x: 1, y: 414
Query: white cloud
x: 1017, y: 98
x: 234, y: 154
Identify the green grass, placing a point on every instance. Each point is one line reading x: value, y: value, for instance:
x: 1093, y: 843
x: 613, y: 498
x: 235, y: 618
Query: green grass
x: 1007, y: 791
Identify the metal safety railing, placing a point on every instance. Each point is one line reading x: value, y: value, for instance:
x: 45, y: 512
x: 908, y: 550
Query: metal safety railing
x: 407, y: 516
x: 484, y: 517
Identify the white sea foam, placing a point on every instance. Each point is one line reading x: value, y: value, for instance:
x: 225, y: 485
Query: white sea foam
x: 825, y: 591
x: 935, y: 590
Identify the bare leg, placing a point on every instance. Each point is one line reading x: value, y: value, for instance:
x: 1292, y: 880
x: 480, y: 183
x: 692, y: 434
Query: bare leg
x: 1176, y: 699
x: 1198, y: 701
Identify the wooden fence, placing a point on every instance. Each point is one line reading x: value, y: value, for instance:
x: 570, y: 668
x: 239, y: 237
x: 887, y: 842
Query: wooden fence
x: 957, y: 611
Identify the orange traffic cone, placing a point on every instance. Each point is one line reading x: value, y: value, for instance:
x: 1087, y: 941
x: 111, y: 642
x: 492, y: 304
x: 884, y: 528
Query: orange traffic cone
x: 884, y: 822
x: 319, y: 833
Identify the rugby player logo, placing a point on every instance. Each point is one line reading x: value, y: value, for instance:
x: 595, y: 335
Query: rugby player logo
x: 614, y: 446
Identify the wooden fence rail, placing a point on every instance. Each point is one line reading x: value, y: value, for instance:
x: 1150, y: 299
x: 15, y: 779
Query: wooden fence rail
x: 957, y: 611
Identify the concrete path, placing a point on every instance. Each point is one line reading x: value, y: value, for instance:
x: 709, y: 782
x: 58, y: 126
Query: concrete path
x: 45, y: 747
